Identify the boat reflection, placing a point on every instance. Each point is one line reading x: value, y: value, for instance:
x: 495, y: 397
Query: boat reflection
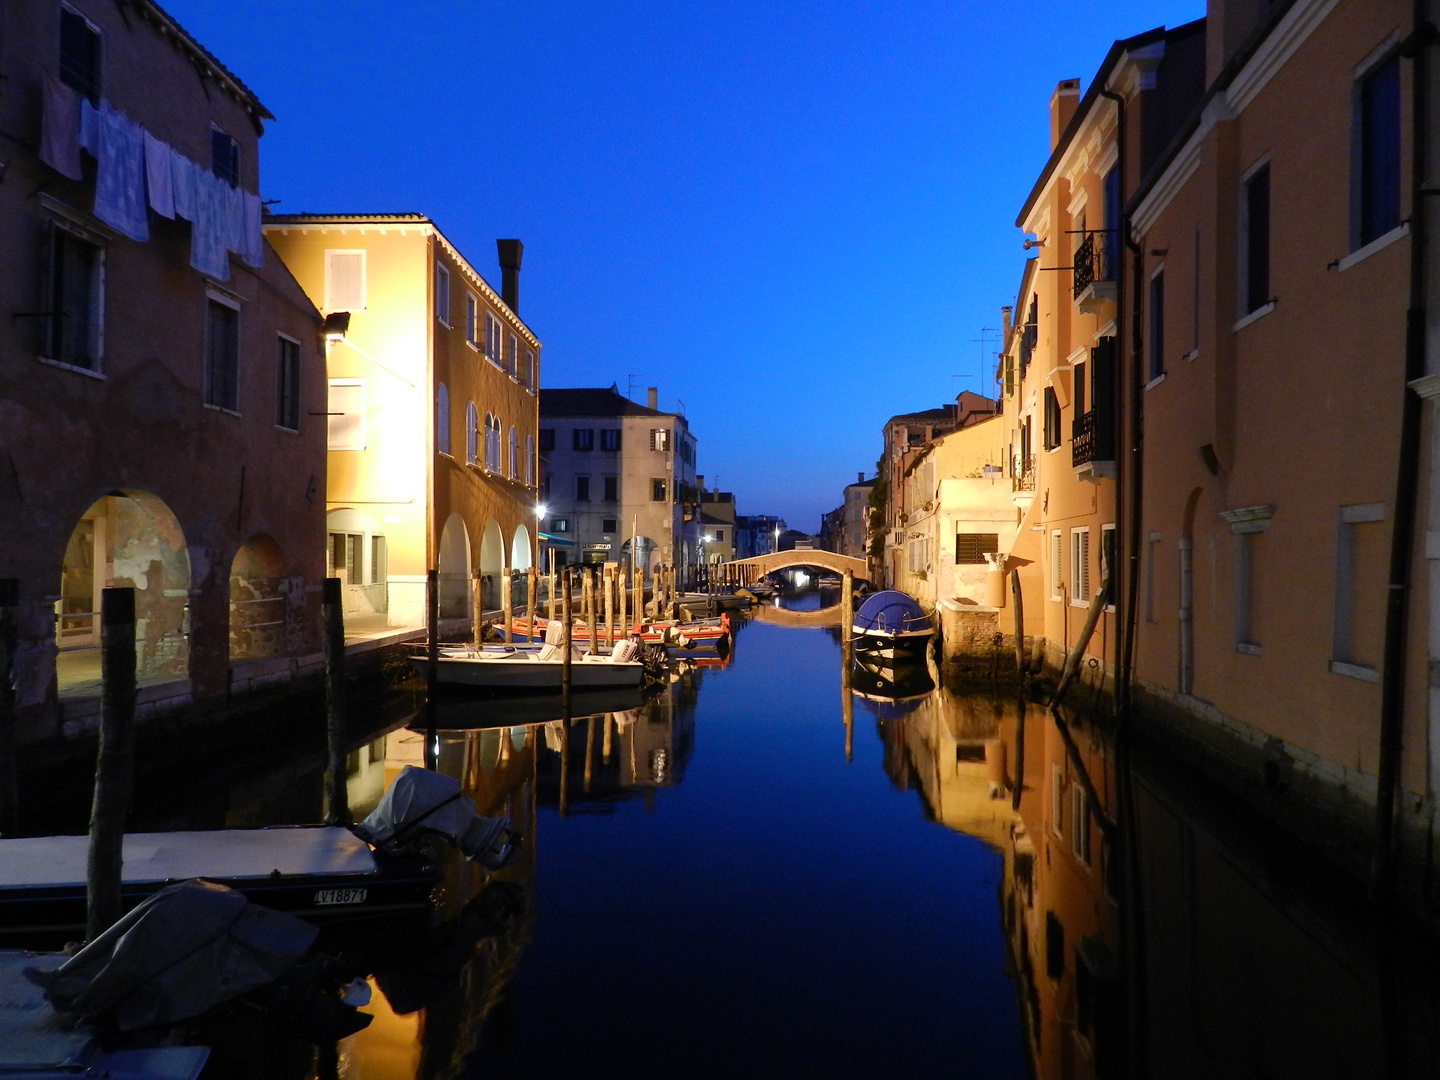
x: 1221, y: 951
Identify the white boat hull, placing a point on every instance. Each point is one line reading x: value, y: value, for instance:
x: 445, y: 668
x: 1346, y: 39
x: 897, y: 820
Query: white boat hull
x: 527, y: 672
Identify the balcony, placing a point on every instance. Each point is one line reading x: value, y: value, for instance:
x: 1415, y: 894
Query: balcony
x: 1023, y: 474
x: 1095, y: 264
x: 1092, y: 445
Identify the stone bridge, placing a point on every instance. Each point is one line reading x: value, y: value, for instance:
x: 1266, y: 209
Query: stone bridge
x: 743, y: 571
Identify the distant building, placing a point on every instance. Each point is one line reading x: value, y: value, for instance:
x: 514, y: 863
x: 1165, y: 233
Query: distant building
x: 854, y: 522
x: 159, y: 370
x: 432, y: 409
x: 757, y: 534
x: 832, y: 524
x: 717, y: 524
x: 615, y: 470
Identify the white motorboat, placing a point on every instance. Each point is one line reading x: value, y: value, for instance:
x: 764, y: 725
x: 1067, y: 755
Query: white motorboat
x: 508, y: 668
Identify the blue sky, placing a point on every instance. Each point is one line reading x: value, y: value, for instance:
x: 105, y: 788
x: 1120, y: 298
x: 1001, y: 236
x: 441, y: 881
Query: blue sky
x: 794, y: 218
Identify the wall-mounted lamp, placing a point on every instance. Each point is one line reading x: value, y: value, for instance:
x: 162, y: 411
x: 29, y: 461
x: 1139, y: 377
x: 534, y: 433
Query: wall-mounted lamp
x: 337, y: 325
x: 1028, y: 244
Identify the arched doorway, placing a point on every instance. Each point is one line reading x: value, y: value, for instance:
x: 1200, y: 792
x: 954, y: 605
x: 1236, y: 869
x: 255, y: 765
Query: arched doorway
x: 649, y: 556
x: 452, y: 560
x: 259, y: 600
x: 126, y: 538
x: 492, y: 565
x: 520, y: 562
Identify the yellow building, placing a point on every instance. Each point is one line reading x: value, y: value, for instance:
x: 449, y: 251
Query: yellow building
x: 430, y: 351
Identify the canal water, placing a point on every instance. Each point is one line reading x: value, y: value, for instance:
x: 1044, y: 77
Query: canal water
x: 742, y: 876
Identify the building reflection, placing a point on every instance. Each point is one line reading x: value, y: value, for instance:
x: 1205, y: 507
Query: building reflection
x: 1228, y: 952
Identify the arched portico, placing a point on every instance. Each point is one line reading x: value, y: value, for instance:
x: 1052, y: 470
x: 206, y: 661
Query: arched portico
x: 492, y: 564
x: 452, y: 561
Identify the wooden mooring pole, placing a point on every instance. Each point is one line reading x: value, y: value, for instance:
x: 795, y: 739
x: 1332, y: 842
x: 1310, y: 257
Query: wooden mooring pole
x: 847, y: 646
x: 1018, y: 603
x: 477, y: 609
x: 620, y: 599
x: 532, y: 584
x: 332, y: 610
x: 115, y: 765
x: 507, y: 604
x: 432, y: 660
x: 9, y: 772
x: 566, y: 602
x: 608, y: 577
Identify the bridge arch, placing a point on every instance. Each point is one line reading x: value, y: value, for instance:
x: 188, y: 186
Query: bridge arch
x: 757, y: 566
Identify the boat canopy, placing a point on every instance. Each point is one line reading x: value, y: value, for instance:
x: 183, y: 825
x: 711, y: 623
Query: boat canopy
x: 891, y: 611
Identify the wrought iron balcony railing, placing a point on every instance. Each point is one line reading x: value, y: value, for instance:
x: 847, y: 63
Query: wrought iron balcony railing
x: 1023, y: 478
x: 1092, y: 438
x: 1094, y: 259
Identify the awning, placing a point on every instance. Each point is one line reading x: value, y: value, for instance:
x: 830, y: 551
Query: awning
x: 555, y: 541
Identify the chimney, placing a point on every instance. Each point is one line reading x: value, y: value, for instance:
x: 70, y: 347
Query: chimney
x: 510, y: 253
x: 860, y: 478
x: 1005, y: 313
x: 652, y: 397
x: 1062, y: 107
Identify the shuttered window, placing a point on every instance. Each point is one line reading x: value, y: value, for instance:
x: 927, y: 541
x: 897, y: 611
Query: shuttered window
x: 287, y: 383
x: 1080, y: 566
x: 971, y: 548
x: 1378, y: 166
x: 347, y: 414
x: 1052, y: 419
x: 344, y: 281
x: 222, y: 355
x: 442, y: 294
x: 79, y: 55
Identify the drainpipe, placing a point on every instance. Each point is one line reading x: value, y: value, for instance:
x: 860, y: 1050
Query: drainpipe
x: 1407, y: 496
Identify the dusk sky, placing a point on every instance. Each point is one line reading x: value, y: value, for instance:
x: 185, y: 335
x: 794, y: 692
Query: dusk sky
x: 793, y: 218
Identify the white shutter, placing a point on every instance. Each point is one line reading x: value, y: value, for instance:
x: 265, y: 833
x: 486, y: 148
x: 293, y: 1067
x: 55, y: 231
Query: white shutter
x: 347, y: 414
x: 344, y: 281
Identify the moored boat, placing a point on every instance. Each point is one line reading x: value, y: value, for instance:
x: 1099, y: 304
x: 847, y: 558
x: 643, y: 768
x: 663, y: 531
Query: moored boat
x: 527, y: 669
x: 702, y: 634
x: 891, y: 626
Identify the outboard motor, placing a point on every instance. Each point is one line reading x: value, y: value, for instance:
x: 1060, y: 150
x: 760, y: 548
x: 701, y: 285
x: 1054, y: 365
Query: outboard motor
x: 421, y: 803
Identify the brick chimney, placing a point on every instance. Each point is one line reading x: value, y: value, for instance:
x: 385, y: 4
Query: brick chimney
x: 652, y: 397
x: 860, y: 478
x: 1062, y: 107
x: 510, y: 252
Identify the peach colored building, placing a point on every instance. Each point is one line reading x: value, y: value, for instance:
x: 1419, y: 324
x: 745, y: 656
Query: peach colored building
x: 433, y: 412
x: 158, y: 369
x: 1274, y: 247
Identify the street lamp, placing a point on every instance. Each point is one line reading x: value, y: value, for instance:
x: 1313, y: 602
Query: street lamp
x: 776, y: 546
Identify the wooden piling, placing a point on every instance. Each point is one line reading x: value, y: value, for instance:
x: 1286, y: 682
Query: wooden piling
x: 432, y: 660
x: 587, y: 603
x: 532, y: 585
x: 1072, y: 663
x: 847, y: 613
x: 550, y: 589
x: 332, y: 609
x: 115, y: 765
x: 609, y: 724
x: 9, y: 771
x: 608, y: 577
x: 507, y: 604
x: 620, y: 597
x: 477, y: 609
x: 589, y: 751
x: 565, y: 619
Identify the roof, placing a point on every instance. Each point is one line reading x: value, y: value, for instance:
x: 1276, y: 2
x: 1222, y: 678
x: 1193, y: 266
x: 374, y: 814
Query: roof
x: 306, y: 217
x: 944, y: 412
x: 1082, y: 111
x: 206, y: 57
x: 862, y: 483
x: 592, y: 401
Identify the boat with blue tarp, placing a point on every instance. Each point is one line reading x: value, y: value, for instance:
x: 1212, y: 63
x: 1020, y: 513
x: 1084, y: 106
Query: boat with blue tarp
x: 890, y: 626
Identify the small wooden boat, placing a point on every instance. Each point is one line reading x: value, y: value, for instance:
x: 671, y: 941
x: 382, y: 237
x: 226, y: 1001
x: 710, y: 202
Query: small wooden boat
x: 323, y: 873
x: 891, y: 626
x: 702, y: 634
x: 522, y: 669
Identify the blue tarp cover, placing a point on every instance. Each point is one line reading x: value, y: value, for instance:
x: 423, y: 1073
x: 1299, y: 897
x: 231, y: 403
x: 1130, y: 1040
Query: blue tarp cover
x: 891, y: 611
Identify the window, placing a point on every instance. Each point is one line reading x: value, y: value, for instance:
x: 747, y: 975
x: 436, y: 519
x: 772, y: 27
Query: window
x: 547, y: 439
x: 225, y: 157
x: 347, y: 414
x: 442, y: 293
x: 1255, y: 249
x: 442, y: 418
x: 1245, y: 635
x: 1057, y: 576
x: 379, y: 560
x: 492, y: 442
x: 1052, y: 419
x: 582, y: 489
x: 529, y: 461
x: 75, y: 296
x: 344, y: 556
x: 512, y: 363
x: 472, y: 324
x: 1375, y: 180
x: 1080, y: 823
x: 530, y: 372
x: 971, y: 548
x: 344, y: 281
x: 80, y: 55
x: 1152, y: 552
x: 583, y: 439
x: 1054, y: 946
x: 609, y: 525
x: 492, y: 339
x: 511, y: 465
x: 658, y: 490
x: 1157, y: 324
x: 1009, y: 375
x: 1079, y: 566
x: 1360, y: 565
x: 719, y: 536
x: 1057, y: 799
x: 472, y: 434
x: 287, y: 383
x: 612, y: 489
x: 1107, y: 564
x: 222, y: 355
x: 659, y: 438
x: 610, y: 439
x: 559, y: 525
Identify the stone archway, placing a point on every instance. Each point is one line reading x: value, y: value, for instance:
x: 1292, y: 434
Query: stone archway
x: 452, y: 561
x: 492, y: 565
x: 126, y: 538
x: 259, y: 600
x: 649, y: 552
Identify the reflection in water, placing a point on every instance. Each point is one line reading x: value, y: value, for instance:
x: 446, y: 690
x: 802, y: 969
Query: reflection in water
x: 1228, y: 953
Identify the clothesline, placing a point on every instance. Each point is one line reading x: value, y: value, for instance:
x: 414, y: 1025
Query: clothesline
x: 136, y: 173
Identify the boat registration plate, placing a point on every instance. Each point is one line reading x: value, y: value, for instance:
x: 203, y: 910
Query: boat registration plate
x: 340, y: 896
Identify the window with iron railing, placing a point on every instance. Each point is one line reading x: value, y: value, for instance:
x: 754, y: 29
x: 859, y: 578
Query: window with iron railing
x: 1095, y: 259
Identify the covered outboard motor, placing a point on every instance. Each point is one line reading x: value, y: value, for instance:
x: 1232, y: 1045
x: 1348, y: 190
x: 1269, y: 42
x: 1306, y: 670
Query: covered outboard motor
x: 423, y: 803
